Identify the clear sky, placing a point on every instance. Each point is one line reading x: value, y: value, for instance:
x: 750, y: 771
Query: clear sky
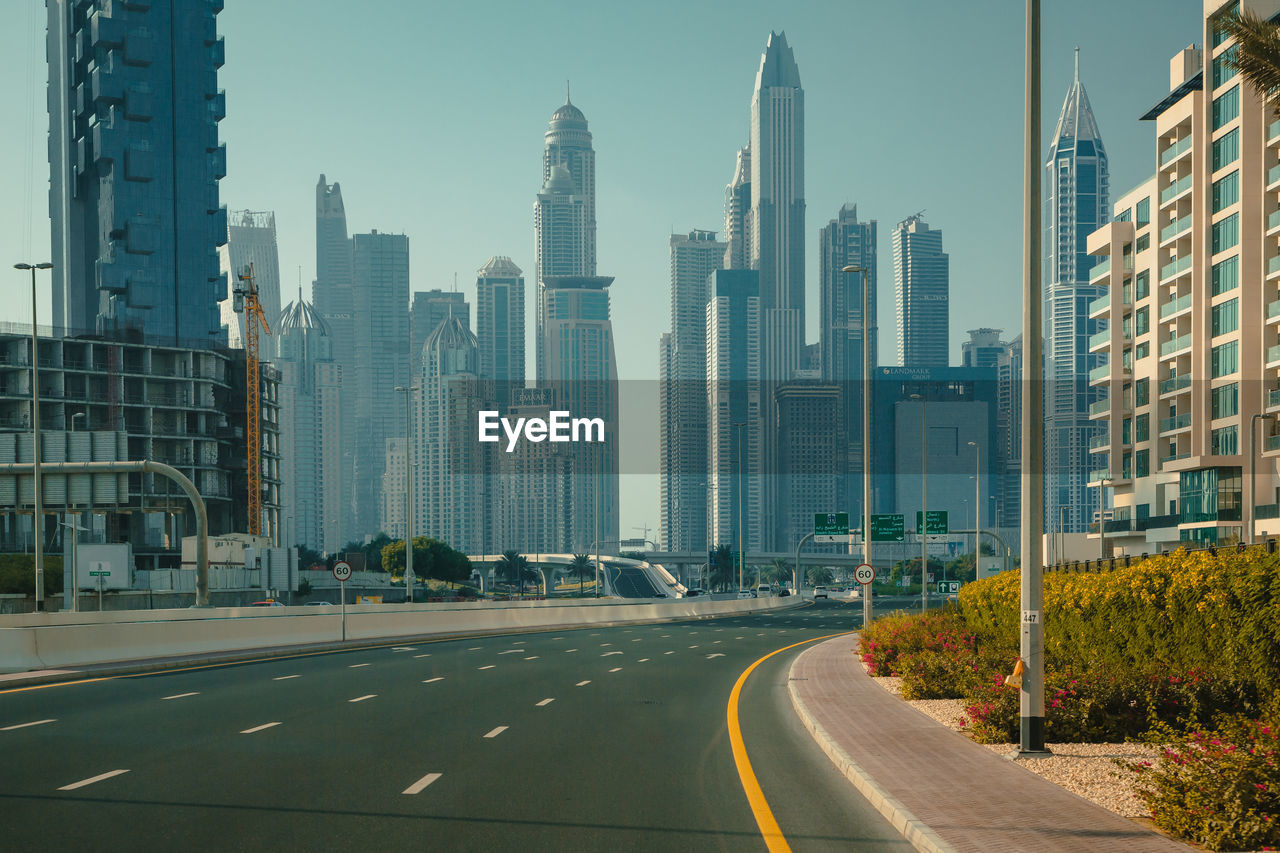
x: 431, y: 116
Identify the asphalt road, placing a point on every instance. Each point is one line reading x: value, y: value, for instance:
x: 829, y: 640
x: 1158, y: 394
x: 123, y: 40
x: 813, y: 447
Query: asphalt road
x: 591, y: 739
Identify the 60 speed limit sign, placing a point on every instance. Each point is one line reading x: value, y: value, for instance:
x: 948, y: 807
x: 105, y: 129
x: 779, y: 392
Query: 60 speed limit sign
x: 864, y: 574
x: 342, y: 571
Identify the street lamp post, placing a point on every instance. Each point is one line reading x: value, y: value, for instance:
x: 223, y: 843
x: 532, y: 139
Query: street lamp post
x: 866, y: 436
x: 1252, y: 519
x: 924, y: 502
x: 75, y: 528
x: 36, y: 525
x: 742, y: 534
x: 408, y: 494
x: 977, y: 505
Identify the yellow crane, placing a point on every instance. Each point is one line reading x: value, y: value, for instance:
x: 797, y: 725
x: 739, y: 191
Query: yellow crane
x: 246, y: 300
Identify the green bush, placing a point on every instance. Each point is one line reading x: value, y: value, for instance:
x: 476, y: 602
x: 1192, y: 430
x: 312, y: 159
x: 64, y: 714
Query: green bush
x: 1219, y: 788
x: 18, y: 574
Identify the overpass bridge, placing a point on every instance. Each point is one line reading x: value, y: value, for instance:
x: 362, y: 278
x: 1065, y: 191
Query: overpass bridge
x: 622, y: 576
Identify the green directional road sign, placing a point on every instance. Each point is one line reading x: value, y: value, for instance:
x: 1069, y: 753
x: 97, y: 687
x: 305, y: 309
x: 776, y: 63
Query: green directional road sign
x: 887, y: 528
x: 827, y: 525
x: 937, y: 524
x: 100, y: 574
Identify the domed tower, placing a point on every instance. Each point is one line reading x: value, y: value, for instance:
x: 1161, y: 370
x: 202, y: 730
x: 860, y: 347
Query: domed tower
x: 568, y: 144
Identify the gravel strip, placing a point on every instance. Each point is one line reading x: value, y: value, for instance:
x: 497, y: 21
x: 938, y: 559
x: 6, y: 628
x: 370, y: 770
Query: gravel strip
x: 1082, y: 768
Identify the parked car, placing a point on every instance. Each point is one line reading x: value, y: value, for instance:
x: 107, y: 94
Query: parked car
x: 746, y: 593
x: 820, y: 592
x: 319, y: 604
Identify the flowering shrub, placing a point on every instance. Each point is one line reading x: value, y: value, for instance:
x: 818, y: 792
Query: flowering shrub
x: 1218, y: 788
x: 891, y: 637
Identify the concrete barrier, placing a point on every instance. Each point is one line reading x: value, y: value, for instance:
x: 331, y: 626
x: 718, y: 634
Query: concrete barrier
x: 57, y: 640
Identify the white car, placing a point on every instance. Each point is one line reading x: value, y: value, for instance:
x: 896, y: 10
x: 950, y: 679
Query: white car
x: 820, y: 592
x: 746, y: 593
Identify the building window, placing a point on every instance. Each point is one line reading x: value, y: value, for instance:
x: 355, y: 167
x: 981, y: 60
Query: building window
x: 1225, y: 317
x: 1142, y: 350
x: 1141, y: 322
x: 1142, y: 428
x: 1219, y: 34
x: 1141, y: 393
x: 1226, y: 233
x: 1226, y: 149
x: 1124, y: 215
x: 1226, y: 275
x: 1126, y: 466
x: 1141, y: 285
x: 1143, y: 212
x: 1143, y: 243
x: 1126, y: 431
x: 1142, y: 463
x: 1226, y: 191
x: 1223, y: 70
x: 1226, y: 107
x: 1224, y: 401
x: 1224, y: 359
x: 1223, y: 442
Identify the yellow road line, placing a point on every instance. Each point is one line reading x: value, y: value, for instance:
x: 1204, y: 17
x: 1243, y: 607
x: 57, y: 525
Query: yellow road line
x: 773, y: 837
x: 54, y: 684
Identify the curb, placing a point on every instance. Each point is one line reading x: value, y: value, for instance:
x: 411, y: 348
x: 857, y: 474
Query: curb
x: 915, y: 831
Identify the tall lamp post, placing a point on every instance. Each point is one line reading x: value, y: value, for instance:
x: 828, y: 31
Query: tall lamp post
x: 1252, y: 519
x: 408, y: 494
x: 36, y: 525
x: 866, y: 433
x: 75, y: 528
x: 977, y: 505
x: 742, y: 534
x: 924, y: 502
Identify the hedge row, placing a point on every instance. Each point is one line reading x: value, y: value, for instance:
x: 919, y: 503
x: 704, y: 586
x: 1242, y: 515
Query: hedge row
x: 18, y: 574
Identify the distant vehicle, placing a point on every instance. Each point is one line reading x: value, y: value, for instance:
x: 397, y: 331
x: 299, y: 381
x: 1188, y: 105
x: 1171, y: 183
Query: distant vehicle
x: 319, y: 604
x: 746, y: 593
x: 784, y: 592
x: 764, y: 589
x: 691, y: 593
x: 820, y: 592
x: 659, y: 594
x: 267, y: 602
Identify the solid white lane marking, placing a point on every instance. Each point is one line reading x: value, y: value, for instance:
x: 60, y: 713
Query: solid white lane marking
x: 24, y: 725
x: 499, y: 730
x: 91, y: 780
x: 258, y: 728
x: 583, y: 683
x: 404, y: 649
x: 642, y: 660
x: 357, y: 665
x: 362, y: 698
x: 544, y: 702
x: 416, y: 787
x: 490, y: 666
x: 606, y: 654
x: 615, y: 669
x: 427, y: 655
x: 285, y: 677
x: 512, y: 652
x: 180, y: 696
x: 532, y: 657
x: 437, y: 678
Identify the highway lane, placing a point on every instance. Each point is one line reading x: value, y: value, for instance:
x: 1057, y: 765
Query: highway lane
x: 575, y: 740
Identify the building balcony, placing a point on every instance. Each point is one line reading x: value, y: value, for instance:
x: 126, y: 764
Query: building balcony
x: 1100, y: 442
x: 1273, y: 222
x: 1273, y: 176
x: 1174, y: 384
x: 1100, y: 306
x: 1273, y: 355
x: 1100, y: 374
x: 1100, y: 269
x: 1176, y: 150
x: 1178, y: 226
x: 1273, y: 266
x: 1180, y: 344
x: 1175, y: 267
x: 1272, y: 444
x: 1273, y: 310
x: 1174, y: 457
x: 1099, y: 408
x: 1100, y: 340
x: 1175, y: 190
x: 1169, y: 309
x: 1273, y: 400
x: 1097, y: 475
x: 1177, y: 423
x: 1156, y: 522
x: 1273, y: 132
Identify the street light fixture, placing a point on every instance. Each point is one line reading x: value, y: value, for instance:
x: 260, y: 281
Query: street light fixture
x: 408, y: 494
x: 866, y: 435
x: 36, y: 525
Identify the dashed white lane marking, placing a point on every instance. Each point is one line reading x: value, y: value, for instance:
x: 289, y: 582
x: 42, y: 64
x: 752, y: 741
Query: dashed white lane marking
x: 91, y: 780
x: 357, y: 665
x: 544, y: 702
x: 24, y: 725
x: 427, y: 655
x: 416, y: 787
x: 258, y: 728
x: 490, y: 666
x: 606, y: 654
x: 642, y: 660
x: 739, y: 638
x: 512, y: 652
x: 668, y: 653
x: 603, y: 645
x: 637, y: 639
x: 532, y: 657
x: 694, y: 646
x: 665, y: 636
x: 718, y: 641
x: 285, y: 677
x: 180, y: 696
x: 583, y: 683
x: 437, y: 678
x: 566, y: 651
x: 499, y: 730
x: 557, y: 638
x: 716, y: 655
x: 404, y: 649
x: 362, y: 698
x: 475, y: 648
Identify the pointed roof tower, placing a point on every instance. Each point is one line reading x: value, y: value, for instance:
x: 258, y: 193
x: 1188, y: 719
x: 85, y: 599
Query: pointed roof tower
x: 778, y: 64
x: 1076, y: 124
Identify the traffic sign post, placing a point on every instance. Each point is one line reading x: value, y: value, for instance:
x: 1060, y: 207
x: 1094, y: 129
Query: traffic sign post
x: 100, y: 575
x: 865, y: 574
x: 831, y: 527
x: 887, y: 528
x: 342, y: 572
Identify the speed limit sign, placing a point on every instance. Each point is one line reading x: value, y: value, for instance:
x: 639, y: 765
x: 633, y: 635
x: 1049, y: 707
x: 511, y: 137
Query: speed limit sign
x: 342, y: 571
x: 864, y: 574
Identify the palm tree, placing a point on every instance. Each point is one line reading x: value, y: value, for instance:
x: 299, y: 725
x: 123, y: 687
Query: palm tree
x: 779, y: 571
x: 1256, y: 54
x: 722, y: 567
x: 580, y: 565
x: 511, y: 567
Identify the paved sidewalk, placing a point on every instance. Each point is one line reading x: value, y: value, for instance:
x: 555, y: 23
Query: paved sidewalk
x: 940, y: 789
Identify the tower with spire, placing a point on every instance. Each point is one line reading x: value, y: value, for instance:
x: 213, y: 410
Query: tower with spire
x: 1076, y: 203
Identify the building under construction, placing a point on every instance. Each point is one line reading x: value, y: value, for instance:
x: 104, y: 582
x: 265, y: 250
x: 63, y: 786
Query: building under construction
x: 183, y: 406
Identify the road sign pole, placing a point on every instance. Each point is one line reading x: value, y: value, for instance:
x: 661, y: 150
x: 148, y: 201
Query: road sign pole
x: 99, y: 592
x: 343, y: 585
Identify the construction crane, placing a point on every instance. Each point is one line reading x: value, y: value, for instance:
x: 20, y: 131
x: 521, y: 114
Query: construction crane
x: 245, y: 300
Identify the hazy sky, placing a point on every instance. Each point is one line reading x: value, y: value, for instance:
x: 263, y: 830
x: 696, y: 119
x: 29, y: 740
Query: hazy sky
x: 432, y: 115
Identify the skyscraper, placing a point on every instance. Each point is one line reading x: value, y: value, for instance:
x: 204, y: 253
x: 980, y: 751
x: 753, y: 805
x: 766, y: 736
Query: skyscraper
x: 983, y: 349
x: 429, y: 309
x: 921, y: 277
x: 682, y: 436
x: 847, y: 242
x: 311, y: 416
x: 1076, y: 203
x: 134, y: 165
x: 500, y: 326
x: 380, y: 297
x: 737, y: 214
x: 251, y: 239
